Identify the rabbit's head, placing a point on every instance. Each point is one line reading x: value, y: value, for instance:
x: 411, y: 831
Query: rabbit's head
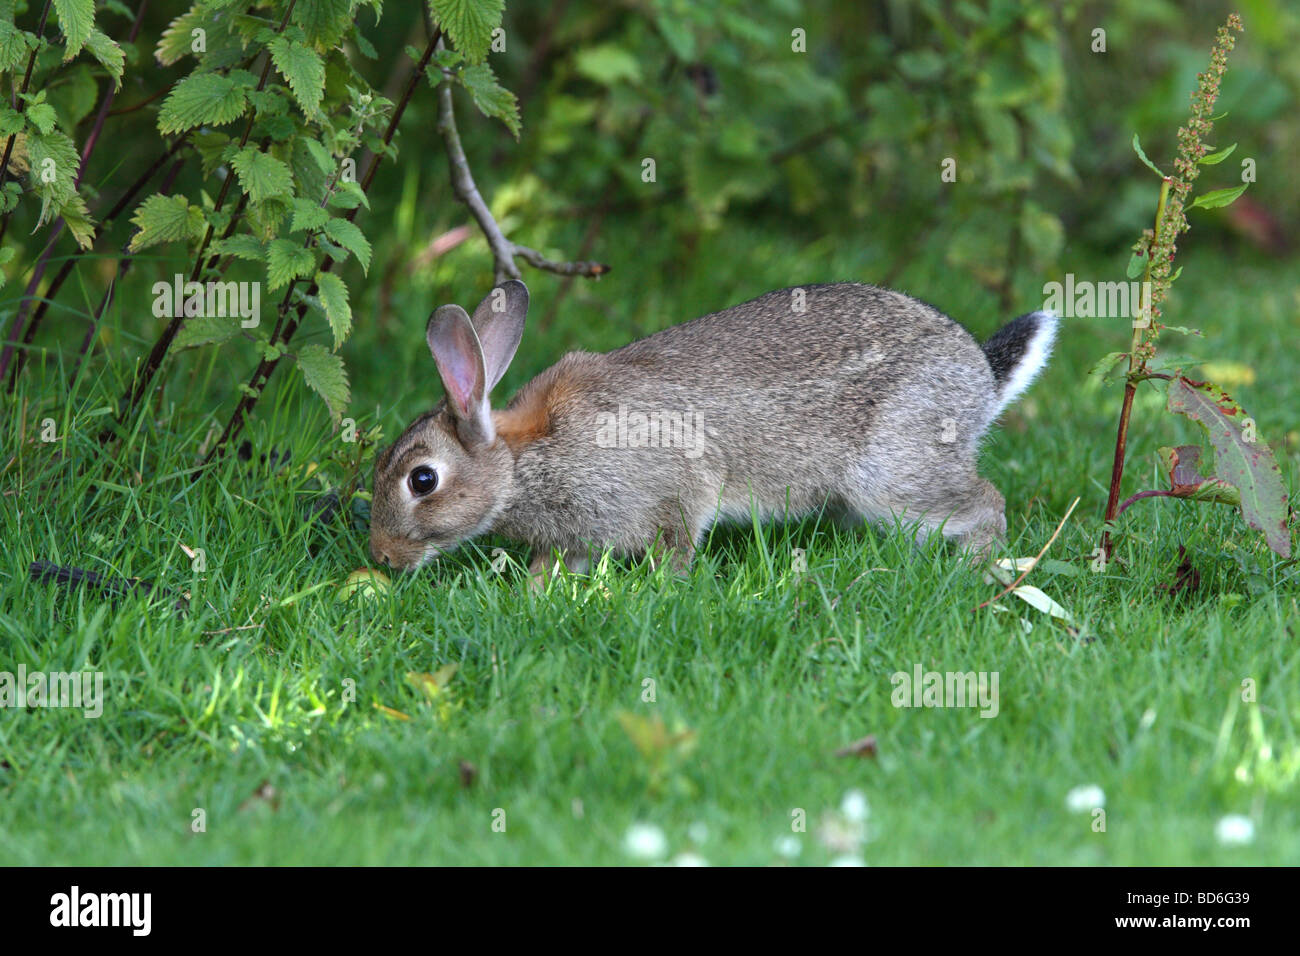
x: 449, y: 475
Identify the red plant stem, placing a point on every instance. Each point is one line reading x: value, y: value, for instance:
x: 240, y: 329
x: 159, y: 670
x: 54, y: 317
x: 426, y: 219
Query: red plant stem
x: 1136, y: 366
x: 1132, y: 499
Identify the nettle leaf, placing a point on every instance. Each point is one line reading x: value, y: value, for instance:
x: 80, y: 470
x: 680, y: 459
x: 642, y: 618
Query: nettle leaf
x: 76, y: 20
x: 1219, y: 197
x: 469, y: 23
x: 54, y: 162
x: 324, y: 374
x: 308, y: 216
x: 11, y: 121
x: 1241, y: 458
x: 351, y: 238
x: 304, y: 70
x: 491, y: 98
x: 334, y: 301
x: 242, y: 246
x: 206, y: 330
x: 165, y: 219
x: 43, y: 117
x: 110, y: 56
x: 178, y: 39
x: 349, y: 195
x: 208, y: 99
x: 287, y: 260
x: 1213, y: 159
x: 76, y: 216
x: 261, y: 175
x: 15, y: 46
x: 324, y: 21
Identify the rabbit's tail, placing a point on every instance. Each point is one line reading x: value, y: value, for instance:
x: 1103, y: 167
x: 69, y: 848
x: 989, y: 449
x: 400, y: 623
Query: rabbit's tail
x: 1017, y: 352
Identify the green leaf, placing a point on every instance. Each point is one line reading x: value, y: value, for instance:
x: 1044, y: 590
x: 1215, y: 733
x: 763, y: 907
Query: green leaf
x: 324, y: 21
x: 15, y: 46
x: 76, y: 20
x: 202, y: 99
x: 1106, y: 367
x: 351, y: 238
x: 1213, y: 159
x: 469, y: 23
x: 110, y: 56
x: 261, y: 175
x: 349, y: 195
x: 242, y: 246
x: 334, y: 301
x: 205, y: 330
x: 77, y: 218
x: 1219, y: 197
x: 1136, y: 265
x: 54, y: 162
x: 304, y: 70
x: 320, y: 155
x: 491, y: 98
x: 308, y: 216
x: 608, y: 64
x: 165, y: 219
x: 42, y: 116
x: 1241, y: 457
x: 177, y: 40
x: 287, y: 260
x: 1137, y: 148
x: 11, y: 121
x: 324, y: 373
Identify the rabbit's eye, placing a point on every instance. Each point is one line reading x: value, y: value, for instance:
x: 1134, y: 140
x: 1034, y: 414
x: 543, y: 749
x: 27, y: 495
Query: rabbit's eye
x: 422, y: 480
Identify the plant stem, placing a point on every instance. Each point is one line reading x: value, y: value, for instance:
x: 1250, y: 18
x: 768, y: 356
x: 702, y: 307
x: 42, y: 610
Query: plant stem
x: 1136, y: 365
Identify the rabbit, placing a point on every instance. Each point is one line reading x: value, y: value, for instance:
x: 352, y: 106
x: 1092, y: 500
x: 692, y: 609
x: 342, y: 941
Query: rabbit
x: 843, y: 396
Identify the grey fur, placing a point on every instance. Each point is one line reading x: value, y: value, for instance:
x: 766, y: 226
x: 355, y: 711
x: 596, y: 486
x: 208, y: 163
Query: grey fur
x: 844, y: 395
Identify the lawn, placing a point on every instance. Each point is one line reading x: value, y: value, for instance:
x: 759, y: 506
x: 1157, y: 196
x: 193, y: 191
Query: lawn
x: 272, y: 722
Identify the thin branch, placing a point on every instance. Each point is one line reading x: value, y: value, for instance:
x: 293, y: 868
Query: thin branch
x: 504, y: 252
x: 1033, y: 564
x: 1132, y: 499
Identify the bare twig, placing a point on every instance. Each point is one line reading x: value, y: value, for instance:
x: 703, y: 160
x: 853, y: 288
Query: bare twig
x: 1033, y: 564
x: 504, y: 252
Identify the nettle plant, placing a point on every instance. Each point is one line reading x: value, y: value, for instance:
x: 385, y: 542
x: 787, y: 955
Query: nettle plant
x: 1244, y: 473
x: 288, y: 136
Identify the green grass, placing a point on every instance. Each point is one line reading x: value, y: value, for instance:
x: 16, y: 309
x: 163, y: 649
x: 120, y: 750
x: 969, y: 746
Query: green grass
x: 240, y: 707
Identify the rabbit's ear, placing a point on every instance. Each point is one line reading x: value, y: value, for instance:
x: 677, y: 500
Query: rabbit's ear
x: 456, y: 349
x: 499, y: 322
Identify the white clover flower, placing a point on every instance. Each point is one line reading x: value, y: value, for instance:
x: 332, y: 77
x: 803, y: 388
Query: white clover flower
x: 645, y: 841
x: 1085, y: 798
x: 689, y: 859
x: 1235, y: 830
x: 847, y: 861
x: 854, y: 806
x: 789, y: 846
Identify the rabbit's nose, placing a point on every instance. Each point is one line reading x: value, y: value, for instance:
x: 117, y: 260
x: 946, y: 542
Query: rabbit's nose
x: 381, y: 555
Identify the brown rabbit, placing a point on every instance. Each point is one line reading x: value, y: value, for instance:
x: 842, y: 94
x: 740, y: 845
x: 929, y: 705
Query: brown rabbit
x: 844, y: 396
